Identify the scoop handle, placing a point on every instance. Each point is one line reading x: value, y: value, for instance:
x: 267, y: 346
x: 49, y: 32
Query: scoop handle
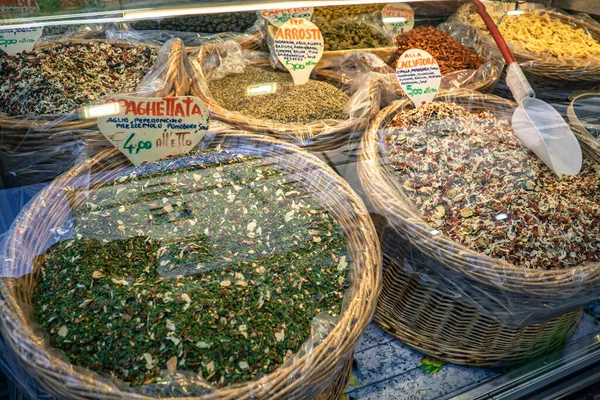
x: 506, y: 53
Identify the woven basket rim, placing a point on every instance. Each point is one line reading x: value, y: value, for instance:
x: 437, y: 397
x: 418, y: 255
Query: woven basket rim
x: 480, y: 267
x: 322, y: 361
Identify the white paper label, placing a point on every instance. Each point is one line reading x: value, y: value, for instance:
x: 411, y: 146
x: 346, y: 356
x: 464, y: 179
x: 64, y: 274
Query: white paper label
x: 149, y: 129
x: 399, y: 17
x: 299, y: 46
x: 278, y: 17
x: 419, y: 76
x: 16, y: 40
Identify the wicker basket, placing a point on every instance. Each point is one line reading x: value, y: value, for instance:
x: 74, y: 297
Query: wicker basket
x: 322, y: 373
x: 432, y: 319
x: 548, y: 73
x: 315, y: 136
x: 22, y: 138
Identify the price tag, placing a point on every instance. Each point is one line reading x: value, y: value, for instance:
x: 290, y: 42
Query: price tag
x: 278, y: 17
x: 16, y: 40
x: 419, y: 76
x: 398, y: 17
x: 299, y: 46
x: 149, y: 129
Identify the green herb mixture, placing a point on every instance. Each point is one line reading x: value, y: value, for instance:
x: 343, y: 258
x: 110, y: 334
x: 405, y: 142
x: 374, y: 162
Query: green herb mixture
x: 214, y: 268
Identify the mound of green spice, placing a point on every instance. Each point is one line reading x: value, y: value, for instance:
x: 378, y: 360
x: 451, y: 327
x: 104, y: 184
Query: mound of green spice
x: 215, y: 264
x: 289, y: 104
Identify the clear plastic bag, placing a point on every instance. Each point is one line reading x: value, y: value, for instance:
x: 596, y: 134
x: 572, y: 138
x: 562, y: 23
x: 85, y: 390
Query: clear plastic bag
x: 205, y: 231
x: 472, y: 215
x: 353, y: 107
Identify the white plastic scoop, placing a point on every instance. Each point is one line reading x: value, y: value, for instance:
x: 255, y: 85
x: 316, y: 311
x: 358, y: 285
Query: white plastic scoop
x: 539, y: 126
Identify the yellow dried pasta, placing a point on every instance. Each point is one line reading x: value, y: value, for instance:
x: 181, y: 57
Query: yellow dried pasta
x: 540, y: 34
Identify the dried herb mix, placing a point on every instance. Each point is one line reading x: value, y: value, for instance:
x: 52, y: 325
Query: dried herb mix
x: 346, y: 35
x: 313, y: 101
x: 473, y: 180
x: 450, y: 54
x: 59, y: 79
x: 216, y: 267
x: 213, y: 23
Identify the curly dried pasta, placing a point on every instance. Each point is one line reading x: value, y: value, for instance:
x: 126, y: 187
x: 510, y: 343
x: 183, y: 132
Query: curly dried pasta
x: 540, y: 34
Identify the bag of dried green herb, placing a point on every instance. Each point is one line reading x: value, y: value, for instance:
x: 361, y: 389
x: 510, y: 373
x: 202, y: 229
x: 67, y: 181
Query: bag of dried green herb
x: 248, y: 269
x: 477, y: 229
x: 242, y: 89
x: 41, y: 100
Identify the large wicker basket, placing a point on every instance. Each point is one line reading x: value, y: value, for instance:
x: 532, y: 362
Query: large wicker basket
x: 546, y: 73
x: 25, y: 141
x: 319, y: 373
x: 315, y: 136
x: 431, y: 313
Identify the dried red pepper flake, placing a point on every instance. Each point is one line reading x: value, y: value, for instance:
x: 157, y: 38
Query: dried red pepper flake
x: 450, y: 54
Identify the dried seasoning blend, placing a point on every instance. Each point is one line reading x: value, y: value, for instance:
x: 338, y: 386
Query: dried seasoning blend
x: 473, y: 180
x: 347, y: 35
x: 215, y: 264
x: 546, y: 36
x: 313, y: 101
x: 61, y: 78
x: 450, y: 55
x: 213, y: 23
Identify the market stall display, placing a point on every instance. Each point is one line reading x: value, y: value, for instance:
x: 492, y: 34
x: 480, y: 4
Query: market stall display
x: 481, y: 227
x: 318, y: 115
x: 557, y: 52
x: 267, y: 305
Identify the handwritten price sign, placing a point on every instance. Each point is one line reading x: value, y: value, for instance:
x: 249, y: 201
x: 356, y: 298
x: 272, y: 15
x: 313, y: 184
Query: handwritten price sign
x: 147, y: 130
x: 419, y: 76
x: 16, y: 40
x: 398, y: 17
x: 299, y: 47
x: 278, y: 17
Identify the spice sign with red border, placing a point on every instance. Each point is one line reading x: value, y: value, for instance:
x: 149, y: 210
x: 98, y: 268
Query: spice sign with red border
x: 149, y: 129
x: 299, y: 46
x: 278, y: 17
x: 398, y: 17
x: 419, y: 76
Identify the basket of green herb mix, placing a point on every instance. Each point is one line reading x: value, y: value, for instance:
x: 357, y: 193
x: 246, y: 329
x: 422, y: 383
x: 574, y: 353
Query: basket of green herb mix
x: 248, y: 93
x: 248, y: 269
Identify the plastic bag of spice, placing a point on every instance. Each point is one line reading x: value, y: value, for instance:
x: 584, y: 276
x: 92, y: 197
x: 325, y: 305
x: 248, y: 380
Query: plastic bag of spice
x: 465, y: 62
x: 557, y: 52
x: 243, y: 90
x: 472, y: 217
x: 342, y: 36
x: 42, y: 122
x: 245, y: 268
